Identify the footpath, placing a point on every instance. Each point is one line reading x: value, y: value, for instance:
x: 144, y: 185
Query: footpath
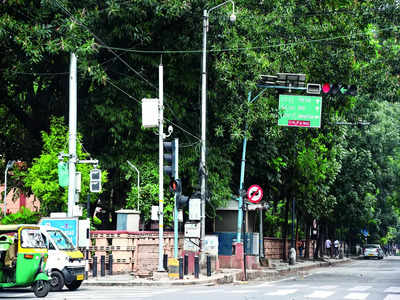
x: 278, y: 270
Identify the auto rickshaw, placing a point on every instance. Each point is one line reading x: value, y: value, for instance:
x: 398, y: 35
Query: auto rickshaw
x: 23, y: 256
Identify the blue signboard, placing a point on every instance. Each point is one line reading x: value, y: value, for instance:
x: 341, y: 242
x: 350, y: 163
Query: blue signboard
x: 68, y: 225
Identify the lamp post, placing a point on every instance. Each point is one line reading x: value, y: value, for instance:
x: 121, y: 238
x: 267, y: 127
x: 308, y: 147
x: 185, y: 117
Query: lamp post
x: 138, y: 181
x: 10, y: 164
x: 203, y: 169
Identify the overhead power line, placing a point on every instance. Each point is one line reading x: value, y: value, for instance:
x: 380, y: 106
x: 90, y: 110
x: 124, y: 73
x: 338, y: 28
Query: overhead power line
x: 102, y: 44
x: 249, y: 48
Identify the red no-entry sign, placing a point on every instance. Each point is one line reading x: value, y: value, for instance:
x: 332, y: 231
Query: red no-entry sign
x: 254, y: 193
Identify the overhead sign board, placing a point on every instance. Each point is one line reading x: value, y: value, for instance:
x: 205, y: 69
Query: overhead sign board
x: 300, y: 111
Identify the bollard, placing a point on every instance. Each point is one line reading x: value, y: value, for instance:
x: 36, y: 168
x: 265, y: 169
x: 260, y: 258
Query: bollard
x: 87, y: 264
x: 186, y: 265
x: 94, y: 267
x: 180, y: 268
x: 208, y: 266
x: 196, y: 267
x: 102, y: 266
x: 110, y: 264
x: 165, y: 262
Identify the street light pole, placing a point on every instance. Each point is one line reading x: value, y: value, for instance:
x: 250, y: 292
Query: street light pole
x: 203, y: 169
x: 138, y: 181
x: 9, y: 166
x: 161, y: 169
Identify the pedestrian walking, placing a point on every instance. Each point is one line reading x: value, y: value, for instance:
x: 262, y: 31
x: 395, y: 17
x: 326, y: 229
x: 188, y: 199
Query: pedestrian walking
x: 336, y: 246
x: 301, y: 248
x: 328, y: 245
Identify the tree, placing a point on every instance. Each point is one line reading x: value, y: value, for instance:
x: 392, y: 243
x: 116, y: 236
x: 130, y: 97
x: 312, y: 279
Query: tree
x: 42, y: 177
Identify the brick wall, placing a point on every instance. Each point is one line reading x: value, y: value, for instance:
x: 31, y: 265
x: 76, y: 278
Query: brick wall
x: 135, y: 252
x: 273, y: 248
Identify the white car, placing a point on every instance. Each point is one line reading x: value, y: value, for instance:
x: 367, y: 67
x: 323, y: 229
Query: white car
x: 373, y: 250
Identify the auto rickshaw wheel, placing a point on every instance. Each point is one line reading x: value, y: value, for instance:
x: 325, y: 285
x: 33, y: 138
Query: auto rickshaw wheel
x: 56, y: 281
x: 41, y: 288
x: 74, y: 285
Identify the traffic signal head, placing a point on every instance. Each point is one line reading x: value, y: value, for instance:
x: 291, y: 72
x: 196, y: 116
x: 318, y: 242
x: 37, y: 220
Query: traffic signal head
x: 330, y: 89
x: 176, y: 186
x: 171, y: 150
x: 95, y: 181
x: 181, y: 201
x: 333, y: 89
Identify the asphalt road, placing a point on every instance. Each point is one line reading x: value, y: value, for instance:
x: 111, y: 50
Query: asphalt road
x: 362, y: 279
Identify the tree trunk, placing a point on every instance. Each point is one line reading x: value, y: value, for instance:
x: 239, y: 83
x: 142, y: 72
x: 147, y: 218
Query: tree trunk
x: 307, y: 250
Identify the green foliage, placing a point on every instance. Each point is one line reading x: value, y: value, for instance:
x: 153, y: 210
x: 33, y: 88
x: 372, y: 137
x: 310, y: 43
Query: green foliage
x: 42, y: 177
x: 340, y: 175
x: 23, y: 216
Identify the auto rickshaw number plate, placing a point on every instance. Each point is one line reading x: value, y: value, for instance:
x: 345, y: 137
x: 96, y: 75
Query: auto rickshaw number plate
x: 79, y: 277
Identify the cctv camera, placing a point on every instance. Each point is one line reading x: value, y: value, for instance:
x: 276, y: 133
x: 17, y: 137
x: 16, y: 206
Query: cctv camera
x: 170, y: 129
x: 232, y: 18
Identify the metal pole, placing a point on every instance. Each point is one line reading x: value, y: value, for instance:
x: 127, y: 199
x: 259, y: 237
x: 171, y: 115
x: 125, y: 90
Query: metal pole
x: 242, y: 169
x: 244, y: 244
x: 5, y: 191
x: 261, y: 234
x: 176, y: 175
x: 72, y: 135
x: 161, y: 170
x: 88, y: 206
x: 138, y: 181
x: 203, y: 130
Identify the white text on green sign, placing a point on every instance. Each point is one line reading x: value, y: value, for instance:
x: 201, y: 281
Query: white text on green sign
x: 300, y: 111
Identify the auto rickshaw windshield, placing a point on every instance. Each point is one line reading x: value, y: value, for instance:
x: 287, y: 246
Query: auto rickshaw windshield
x: 62, y: 242
x: 32, y: 238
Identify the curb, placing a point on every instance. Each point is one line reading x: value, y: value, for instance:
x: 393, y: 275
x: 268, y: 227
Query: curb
x: 226, y: 278
x: 233, y: 277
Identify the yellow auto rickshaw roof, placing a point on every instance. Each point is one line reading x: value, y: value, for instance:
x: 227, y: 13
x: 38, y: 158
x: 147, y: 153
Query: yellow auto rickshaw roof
x: 15, y: 227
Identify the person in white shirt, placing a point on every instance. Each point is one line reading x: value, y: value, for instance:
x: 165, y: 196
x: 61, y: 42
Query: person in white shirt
x: 328, y: 245
x: 336, y: 245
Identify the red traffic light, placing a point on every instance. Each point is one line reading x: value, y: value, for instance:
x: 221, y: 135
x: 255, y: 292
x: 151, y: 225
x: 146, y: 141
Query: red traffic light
x: 326, y: 87
x: 175, y: 185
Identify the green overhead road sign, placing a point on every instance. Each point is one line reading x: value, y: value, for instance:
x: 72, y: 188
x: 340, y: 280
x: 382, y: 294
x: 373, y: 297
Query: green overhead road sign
x: 300, y: 111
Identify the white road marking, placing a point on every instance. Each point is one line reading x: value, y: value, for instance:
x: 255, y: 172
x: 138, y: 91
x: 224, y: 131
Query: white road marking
x: 296, y: 286
x: 204, y: 291
x: 243, y: 291
x: 320, y: 294
x: 358, y: 296
x: 392, y: 289
x: 326, y: 287
x: 282, y: 292
x: 360, y: 288
x: 392, y: 297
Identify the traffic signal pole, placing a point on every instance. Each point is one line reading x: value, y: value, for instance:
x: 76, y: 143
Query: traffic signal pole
x: 161, y: 169
x: 176, y: 175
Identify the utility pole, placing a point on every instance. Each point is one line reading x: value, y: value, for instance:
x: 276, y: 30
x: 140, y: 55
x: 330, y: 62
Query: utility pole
x: 161, y: 169
x: 203, y: 132
x: 72, y: 135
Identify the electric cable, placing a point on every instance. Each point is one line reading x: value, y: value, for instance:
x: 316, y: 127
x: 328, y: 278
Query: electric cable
x: 248, y: 48
x: 122, y: 60
x: 138, y: 101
